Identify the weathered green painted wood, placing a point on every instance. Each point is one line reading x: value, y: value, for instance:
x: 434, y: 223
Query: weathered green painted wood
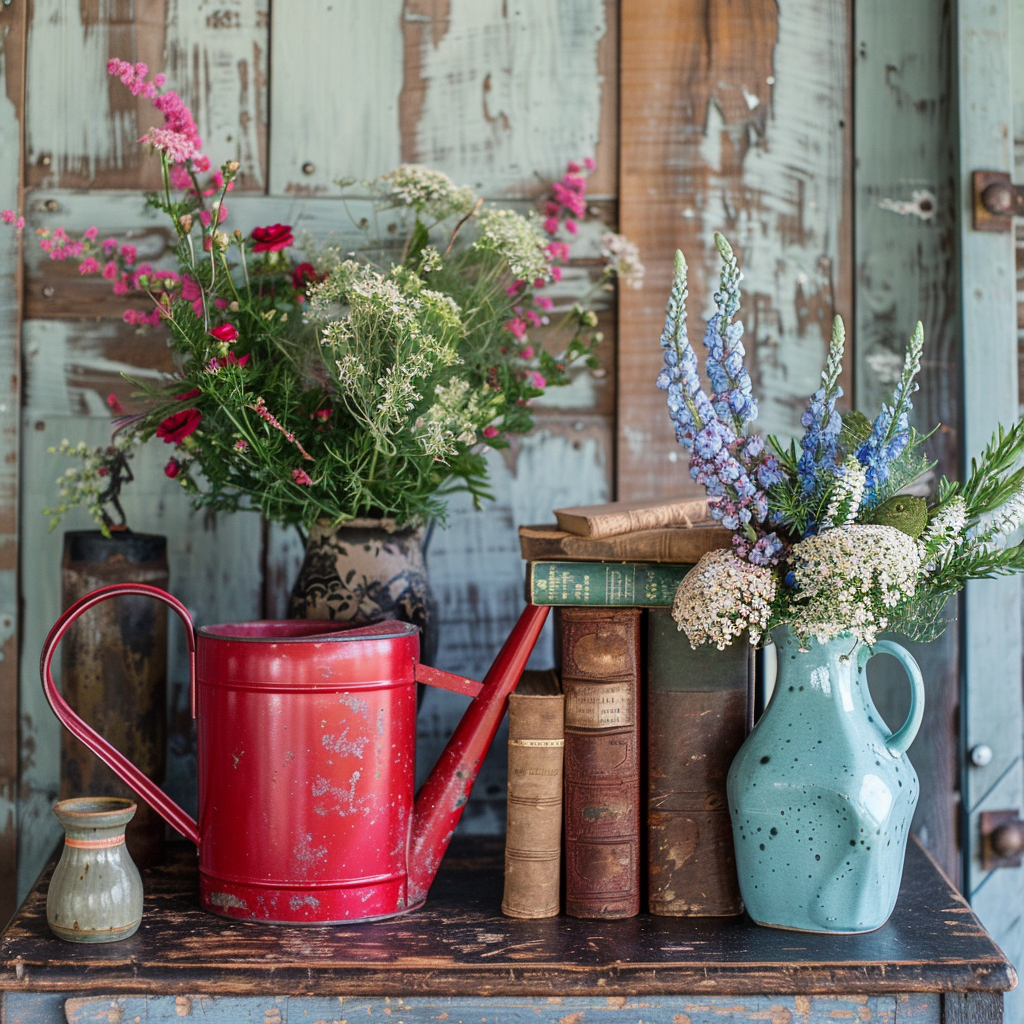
x: 499, y: 95
x: 733, y: 119
x: 992, y: 712
x: 12, y: 39
x: 82, y: 126
x: 823, y: 1009
x: 905, y: 251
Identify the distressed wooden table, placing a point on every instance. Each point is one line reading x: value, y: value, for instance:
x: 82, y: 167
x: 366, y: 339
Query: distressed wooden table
x: 459, y: 960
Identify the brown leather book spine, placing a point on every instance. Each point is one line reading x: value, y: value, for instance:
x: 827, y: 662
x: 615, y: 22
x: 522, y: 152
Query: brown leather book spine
x: 533, y: 837
x: 601, y: 681
x: 669, y: 544
x: 696, y: 705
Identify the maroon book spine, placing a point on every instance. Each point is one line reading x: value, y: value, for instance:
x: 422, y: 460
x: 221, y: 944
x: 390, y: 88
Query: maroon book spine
x: 601, y: 683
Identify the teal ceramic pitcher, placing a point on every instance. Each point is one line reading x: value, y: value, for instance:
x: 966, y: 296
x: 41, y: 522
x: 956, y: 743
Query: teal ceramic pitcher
x: 821, y: 794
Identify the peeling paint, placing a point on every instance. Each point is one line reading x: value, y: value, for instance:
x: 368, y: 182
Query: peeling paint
x: 922, y: 204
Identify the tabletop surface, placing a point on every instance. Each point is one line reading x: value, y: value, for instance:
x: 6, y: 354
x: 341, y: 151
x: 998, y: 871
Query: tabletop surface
x: 460, y: 944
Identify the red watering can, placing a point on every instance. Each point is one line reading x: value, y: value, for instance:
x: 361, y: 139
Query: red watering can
x: 306, y: 737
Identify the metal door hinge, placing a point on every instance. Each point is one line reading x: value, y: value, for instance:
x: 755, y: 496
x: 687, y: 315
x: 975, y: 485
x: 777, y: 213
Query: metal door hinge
x: 1002, y: 839
x: 996, y: 201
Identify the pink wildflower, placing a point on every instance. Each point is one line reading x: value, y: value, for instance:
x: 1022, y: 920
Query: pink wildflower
x: 89, y: 266
x: 543, y: 301
x: 241, y: 445
x: 110, y: 270
x: 300, y: 476
x: 109, y: 245
x: 588, y: 162
x: 129, y: 254
x: 556, y: 273
x: 516, y: 327
x: 558, y: 251
x: 10, y: 217
x: 536, y: 379
x: 490, y: 431
x: 91, y: 233
x: 550, y: 225
x: 178, y: 147
x: 573, y: 168
x: 265, y: 414
x: 206, y: 216
x: 113, y: 404
x: 225, y: 332
x: 527, y: 353
x: 172, y: 469
x: 570, y: 226
x: 533, y: 318
x: 180, y: 177
x: 120, y: 287
x: 515, y: 288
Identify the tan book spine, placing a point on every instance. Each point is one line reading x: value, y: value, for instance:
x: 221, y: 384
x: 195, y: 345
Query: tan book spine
x: 672, y: 544
x: 625, y: 517
x: 533, y: 838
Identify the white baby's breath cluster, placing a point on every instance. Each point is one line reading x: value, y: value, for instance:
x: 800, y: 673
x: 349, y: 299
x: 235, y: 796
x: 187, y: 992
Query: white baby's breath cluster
x: 431, y: 192
x: 622, y: 258
x: 849, y: 579
x: 720, y: 597
x: 452, y: 419
x: 517, y: 240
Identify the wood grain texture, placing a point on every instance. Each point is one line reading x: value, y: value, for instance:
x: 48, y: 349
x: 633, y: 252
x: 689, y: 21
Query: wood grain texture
x: 459, y: 944
x: 500, y: 96
x: 13, y: 27
x: 992, y: 712
x: 906, y: 254
x: 82, y: 125
x: 734, y: 118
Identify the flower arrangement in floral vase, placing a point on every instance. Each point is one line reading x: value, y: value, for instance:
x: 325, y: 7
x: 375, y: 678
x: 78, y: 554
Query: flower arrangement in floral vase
x: 828, y: 551
x: 349, y: 384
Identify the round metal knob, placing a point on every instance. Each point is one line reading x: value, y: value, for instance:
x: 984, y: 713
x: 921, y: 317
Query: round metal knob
x: 981, y: 755
x: 308, y: 168
x: 1007, y: 840
x: 998, y: 198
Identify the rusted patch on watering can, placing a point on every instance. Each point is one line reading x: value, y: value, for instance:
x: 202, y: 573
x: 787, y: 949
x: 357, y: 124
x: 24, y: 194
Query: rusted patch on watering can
x: 228, y: 901
x: 298, y: 902
x: 343, y: 745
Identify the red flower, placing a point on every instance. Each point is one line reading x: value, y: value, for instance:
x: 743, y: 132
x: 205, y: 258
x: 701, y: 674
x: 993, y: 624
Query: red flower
x: 303, y: 274
x: 323, y: 415
x: 225, y: 332
x: 115, y: 405
x: 172, y: 469
x: 490, y: 431
x: 272, y: 238
x: 187, y: 395
x: 300, y: 476
x: 179, y: 425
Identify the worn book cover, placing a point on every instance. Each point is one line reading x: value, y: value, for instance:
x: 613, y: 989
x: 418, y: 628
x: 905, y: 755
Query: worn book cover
x: 602, y: 584
x: 617, y: 517
x: 696, y: 705
x: 601, y: 681
x: 533, y: 836
x: 666, y: 544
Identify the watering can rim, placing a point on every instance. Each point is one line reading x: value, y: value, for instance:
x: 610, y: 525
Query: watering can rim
x: 330, y: 632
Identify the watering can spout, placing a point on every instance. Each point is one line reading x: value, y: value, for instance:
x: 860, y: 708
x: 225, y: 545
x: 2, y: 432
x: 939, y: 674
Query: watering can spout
x: 442, y: 798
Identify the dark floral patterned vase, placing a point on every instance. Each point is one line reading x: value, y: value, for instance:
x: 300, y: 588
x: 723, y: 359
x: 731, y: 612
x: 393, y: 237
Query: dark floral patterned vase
x: 365, y: 571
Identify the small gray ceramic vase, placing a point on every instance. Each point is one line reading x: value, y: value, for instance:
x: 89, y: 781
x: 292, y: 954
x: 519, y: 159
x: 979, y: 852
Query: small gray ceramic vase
x: 821, y: 794
x: 95, y: 894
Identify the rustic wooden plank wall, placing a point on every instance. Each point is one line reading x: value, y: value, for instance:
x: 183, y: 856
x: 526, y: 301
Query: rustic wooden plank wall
x: 381, y: 88
x: 907, y: 256
x: 12, y: 95
x: 735, y: 117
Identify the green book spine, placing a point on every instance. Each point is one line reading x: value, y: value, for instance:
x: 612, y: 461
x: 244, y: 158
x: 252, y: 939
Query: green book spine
x: 603, y: 584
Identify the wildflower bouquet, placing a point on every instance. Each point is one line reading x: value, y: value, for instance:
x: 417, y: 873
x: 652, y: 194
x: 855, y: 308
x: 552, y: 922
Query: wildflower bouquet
x: 341, y: 384
x: 825, y: 538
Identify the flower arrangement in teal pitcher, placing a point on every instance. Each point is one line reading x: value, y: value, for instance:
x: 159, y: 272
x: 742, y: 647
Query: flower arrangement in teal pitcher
x: 826, y: 538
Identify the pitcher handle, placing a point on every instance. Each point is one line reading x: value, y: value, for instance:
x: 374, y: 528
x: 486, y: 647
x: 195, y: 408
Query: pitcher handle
x: 112, y: 757
x: 899, y: 742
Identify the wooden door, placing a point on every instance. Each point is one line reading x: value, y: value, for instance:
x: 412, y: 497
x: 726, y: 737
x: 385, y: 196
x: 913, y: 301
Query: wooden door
x: 990, y: 37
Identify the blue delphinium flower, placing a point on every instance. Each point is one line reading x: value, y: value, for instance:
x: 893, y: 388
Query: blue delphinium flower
x: 819, y: 455
x: 890, y: 433
x: 732, y: 397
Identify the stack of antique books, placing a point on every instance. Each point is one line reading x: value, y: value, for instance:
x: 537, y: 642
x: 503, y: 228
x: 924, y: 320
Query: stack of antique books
x: 618, y: 759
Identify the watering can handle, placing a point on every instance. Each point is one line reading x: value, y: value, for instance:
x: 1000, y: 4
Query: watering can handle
x: 148, y: 790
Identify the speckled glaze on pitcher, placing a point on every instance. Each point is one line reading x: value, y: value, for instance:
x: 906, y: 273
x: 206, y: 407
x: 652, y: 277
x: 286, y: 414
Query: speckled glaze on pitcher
x: 822, y: 794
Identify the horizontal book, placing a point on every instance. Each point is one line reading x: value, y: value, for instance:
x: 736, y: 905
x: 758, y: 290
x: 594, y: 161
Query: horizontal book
x: 603, y: 584
x: 677, y: 544
x: 617, y: 517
